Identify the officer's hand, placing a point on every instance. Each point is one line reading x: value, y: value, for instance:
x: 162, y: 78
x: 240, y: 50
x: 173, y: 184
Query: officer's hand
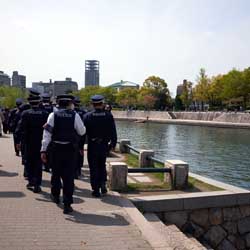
x: 81, y: 151
x: 43, y: 157
x: 18, y: 146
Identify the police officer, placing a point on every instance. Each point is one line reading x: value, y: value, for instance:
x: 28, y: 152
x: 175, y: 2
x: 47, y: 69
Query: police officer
x: 80, y: 155
x: 14, y: 117
x: 101, y: 132
x: 46, y: 103
x: 31, y: 125
x: 19, y: 134
x: 62, y: 130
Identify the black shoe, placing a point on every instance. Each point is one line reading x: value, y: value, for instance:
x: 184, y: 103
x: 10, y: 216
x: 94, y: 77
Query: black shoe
x: 104, y: 190
x: 67, y: 209
x: 96, y: 193
x: 37, y: 189
x: 55, y: 199
x: 30, y: 186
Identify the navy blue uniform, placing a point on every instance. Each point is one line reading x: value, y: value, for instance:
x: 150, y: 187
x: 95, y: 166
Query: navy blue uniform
x: 80, y: 157
x: 31, y: 125
x: 14, y: 118
x: 101, y: 132
x: 63, y: 156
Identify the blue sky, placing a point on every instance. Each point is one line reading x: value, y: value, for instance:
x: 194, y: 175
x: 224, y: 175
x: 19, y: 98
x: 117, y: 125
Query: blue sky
x: 132, y: 39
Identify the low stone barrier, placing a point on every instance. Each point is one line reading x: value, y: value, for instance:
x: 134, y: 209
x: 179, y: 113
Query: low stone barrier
x: 220, y: 219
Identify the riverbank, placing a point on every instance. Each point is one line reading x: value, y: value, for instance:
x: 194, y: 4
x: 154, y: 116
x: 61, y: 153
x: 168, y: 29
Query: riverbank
x: 208, y: 119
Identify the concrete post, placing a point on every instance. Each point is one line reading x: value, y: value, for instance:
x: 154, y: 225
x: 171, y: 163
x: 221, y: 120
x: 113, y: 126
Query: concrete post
x: 144, y: 161
x: 117, y: 172
x: 179, y: 173
x: 123, y: 148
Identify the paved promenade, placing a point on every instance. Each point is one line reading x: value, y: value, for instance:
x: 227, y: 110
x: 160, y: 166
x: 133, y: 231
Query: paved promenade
x: 31, y: 221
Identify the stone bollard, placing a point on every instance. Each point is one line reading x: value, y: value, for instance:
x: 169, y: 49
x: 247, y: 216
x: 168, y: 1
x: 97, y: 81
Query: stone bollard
x: 117, y: 172
x: 178, y: 175
x: 144, y: 161
x: 123, y: 148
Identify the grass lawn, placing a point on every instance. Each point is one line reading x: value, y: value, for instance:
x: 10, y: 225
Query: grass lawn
x: 194, y: 185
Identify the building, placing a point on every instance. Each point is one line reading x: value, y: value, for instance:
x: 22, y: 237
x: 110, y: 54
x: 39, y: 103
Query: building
x: 4, y: 79
x: 44, y: 87
x: 18, y: 81
x: 65, y: 87
x: 92, y: 73
x: 57, y: 87
x: 124, y: 84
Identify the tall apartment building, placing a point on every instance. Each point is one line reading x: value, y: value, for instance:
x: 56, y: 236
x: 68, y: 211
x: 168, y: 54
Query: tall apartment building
x: 4, y: 79
x: 18, y: 81
x: 57, y: 87
x: 91, y: 73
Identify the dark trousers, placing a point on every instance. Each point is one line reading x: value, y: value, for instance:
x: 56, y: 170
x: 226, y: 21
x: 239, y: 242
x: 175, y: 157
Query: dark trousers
x: 97, y: 154
x: 34, y: 168
x: 15, y: 143
x: 63, y: 168
x: 79, y: 164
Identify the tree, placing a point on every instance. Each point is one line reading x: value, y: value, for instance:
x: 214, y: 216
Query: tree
x: 127, y: 97
x: 200, y: 92
x: 159, y: 89
x: 8, y: 96
x: 186, y: 96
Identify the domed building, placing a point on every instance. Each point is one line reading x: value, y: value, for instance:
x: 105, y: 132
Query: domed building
x: 124, y: 84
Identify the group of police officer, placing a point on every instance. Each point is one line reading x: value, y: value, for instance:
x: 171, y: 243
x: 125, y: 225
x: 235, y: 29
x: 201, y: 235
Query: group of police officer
x: 54, y: 137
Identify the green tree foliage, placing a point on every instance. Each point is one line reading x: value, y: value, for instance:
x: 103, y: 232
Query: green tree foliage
x: 186, y: 96
x: 127, y: 97
x: 200, y: 92
x: 85, y: 94
x: 8, y: 96
x: 159, y: 89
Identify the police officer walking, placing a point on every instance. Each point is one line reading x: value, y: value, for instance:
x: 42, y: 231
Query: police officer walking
x: 101, y: 133
x: 14, y: 117
x: 31, y: 125
x: 63, y: 129
x: 80, y: 154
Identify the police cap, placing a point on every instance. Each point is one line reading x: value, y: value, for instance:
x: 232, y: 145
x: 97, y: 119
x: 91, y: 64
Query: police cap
x: 19, y: 101
x: 65, y: 97
x: 45, y: 97
x: 34, y: 92
x: 24, y: 106
x: 34, y: 99
x: 97, y: 99
x: 77, y: 101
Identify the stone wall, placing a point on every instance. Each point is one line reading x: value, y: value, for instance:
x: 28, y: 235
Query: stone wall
x: 178, y: 117
x: 220, y: 228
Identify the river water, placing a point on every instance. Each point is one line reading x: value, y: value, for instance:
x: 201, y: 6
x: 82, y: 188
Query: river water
x: 220, y: 153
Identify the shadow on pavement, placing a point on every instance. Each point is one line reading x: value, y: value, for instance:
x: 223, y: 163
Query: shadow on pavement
x: 46, y: 198
x: 11, y: 194
x: 7, y: 174
x: 97, y: 219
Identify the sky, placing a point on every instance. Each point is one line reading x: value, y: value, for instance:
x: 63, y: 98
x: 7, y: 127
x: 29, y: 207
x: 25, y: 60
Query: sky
x: 132, y: 39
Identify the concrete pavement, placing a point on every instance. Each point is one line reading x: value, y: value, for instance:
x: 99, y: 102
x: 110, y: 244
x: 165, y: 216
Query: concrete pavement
x: 31, y: 221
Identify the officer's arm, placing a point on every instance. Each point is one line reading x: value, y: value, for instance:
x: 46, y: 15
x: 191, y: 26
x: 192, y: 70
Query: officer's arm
x: 47, y: 132
x: 113, y: 133
x: 79, y: 126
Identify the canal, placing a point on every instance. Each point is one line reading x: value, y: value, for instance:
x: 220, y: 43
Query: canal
x: 222, y: 154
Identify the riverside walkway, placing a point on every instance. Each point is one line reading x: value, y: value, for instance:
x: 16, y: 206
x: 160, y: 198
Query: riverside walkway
x: 30, y: 221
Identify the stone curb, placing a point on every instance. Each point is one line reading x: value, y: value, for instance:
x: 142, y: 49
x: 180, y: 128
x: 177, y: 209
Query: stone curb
x: 156, y: 240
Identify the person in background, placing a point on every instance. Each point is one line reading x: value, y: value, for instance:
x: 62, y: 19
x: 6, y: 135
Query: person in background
x: 80, y: 155
x: 14, y: 117
x: 31, y: 126
x: 102, y: 136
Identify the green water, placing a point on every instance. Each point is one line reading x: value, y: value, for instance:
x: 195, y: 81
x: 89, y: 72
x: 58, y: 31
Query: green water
x: 222, y: 154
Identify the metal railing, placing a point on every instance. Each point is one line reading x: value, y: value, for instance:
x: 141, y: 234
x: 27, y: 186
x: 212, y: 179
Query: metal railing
x: 149, y: 170
x: 133, y: 149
